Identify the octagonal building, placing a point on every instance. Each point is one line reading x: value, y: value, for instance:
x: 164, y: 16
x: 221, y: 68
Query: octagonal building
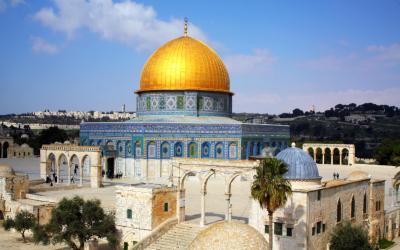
x: 184, y: 108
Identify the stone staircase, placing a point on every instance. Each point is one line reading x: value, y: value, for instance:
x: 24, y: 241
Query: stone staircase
x: 178, y: 237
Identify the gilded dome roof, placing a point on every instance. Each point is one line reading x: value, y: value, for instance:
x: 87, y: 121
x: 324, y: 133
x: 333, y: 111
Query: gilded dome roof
x: 184, y: 64
x: 229, y: 235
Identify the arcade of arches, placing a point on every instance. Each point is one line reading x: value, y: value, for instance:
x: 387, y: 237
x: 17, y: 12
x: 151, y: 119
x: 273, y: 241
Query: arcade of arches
x: 67, y: 162
x: 340, y: 154
x: 205, y: 169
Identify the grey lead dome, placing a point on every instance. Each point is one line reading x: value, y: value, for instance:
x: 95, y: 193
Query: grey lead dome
x: 300, y: 164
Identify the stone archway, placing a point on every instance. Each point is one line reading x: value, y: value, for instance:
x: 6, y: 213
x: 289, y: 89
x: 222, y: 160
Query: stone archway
x: 319, y: 155
x: 310, y: 151
x: 345, y: 156
x: 205, y: 169
x: 341, y: 154
x: 74, y: 170
x: 328, y: 156
x: 51, y: 163
x: 336, y: 156
x: 87, y: 158
x: 62, y: 168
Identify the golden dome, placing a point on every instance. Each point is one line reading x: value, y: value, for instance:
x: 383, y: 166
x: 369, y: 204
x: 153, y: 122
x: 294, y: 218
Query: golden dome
x: 184, y: 64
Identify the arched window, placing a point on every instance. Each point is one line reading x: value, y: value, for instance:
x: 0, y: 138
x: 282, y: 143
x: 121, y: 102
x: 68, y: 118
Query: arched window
x: 219, y: 150
x: 128, y: 147
x: 120, y: 149
x: 339, y: 211
x: 205, y: 150
x: 138, y: 149
x: 353, y: 208
x: 165, y: 150
x: 178, y: 149
x: 192, y: 150
x: 365, y: 204
x: 151, y: 150
x: 232, y: 151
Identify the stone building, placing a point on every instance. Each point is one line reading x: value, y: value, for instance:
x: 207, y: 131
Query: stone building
x: 184, y: 108
x: 316, y: 208
x: 22, y: 151
x: 14, y: 197
x: 141, y: 208
x: 9, y: 149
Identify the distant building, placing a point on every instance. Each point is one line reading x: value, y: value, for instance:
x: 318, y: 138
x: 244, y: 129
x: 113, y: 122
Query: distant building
x: 9, y: 149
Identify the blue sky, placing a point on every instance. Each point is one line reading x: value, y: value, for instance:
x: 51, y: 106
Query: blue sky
x: 281, y: 55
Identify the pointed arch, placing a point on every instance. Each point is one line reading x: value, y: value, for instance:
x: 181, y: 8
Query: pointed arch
x: 353, y: 208
x: 165, y: 150
x: 339, y: 211
x: 205, y: 150
x: 178, y: 149
x: 219, y: 150
x: 365, y: 203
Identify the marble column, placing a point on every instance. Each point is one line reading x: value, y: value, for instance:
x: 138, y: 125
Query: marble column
x: 340, y: 158
x: 323, y: 158
x: 203, y: 208
x: 69, y: 174
x: 228, y: 213
x: 81, y: 176
x: 315, y: 155
x: 331, y: 157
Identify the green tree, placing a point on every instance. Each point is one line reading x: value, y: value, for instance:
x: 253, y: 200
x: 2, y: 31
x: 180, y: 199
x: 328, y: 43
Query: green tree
x: 77, y: 221
x: 349, y: 237
x: 388, y: 153
x: 270, y: 188
x: 22, y: 222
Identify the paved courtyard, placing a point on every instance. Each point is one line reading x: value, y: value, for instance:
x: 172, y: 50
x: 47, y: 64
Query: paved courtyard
x: 215, y: 199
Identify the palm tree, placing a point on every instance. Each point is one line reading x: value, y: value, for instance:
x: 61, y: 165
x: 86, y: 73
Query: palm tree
x: 270, y: 188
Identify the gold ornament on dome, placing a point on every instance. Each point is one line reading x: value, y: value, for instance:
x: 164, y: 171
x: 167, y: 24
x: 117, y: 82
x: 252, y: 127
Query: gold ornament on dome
x: 185, y: 64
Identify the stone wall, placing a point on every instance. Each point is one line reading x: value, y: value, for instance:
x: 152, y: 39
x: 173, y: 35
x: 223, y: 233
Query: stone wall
x: 312, y: 213
x: 145, y: 203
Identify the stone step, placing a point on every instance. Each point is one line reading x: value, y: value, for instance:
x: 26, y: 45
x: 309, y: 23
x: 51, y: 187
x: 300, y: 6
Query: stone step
x: 178, y: 237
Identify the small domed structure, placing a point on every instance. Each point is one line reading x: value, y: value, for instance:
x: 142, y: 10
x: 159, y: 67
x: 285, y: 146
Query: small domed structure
x: 229, y: 235
x: 6, y: 170
x: 301, y: 165
x: 357, y: 175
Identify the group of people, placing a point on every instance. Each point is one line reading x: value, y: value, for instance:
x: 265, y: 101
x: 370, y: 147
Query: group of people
x: 54, y: 178
x: 111, y: 175
x: 50, y: 180
x: 336, y: 176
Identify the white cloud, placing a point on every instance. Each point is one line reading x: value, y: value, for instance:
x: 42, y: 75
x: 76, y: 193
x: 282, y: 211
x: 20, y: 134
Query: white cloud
x: 259, y: 61
x: 3, y: 5
x: 279, y: 103
x: 386, y: 53
x: 15, y: 3
x: 39, y: 45
x: 127, y: 22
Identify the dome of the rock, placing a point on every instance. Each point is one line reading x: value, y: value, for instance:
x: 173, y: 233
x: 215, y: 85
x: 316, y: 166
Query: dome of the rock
x: 184, y: 63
